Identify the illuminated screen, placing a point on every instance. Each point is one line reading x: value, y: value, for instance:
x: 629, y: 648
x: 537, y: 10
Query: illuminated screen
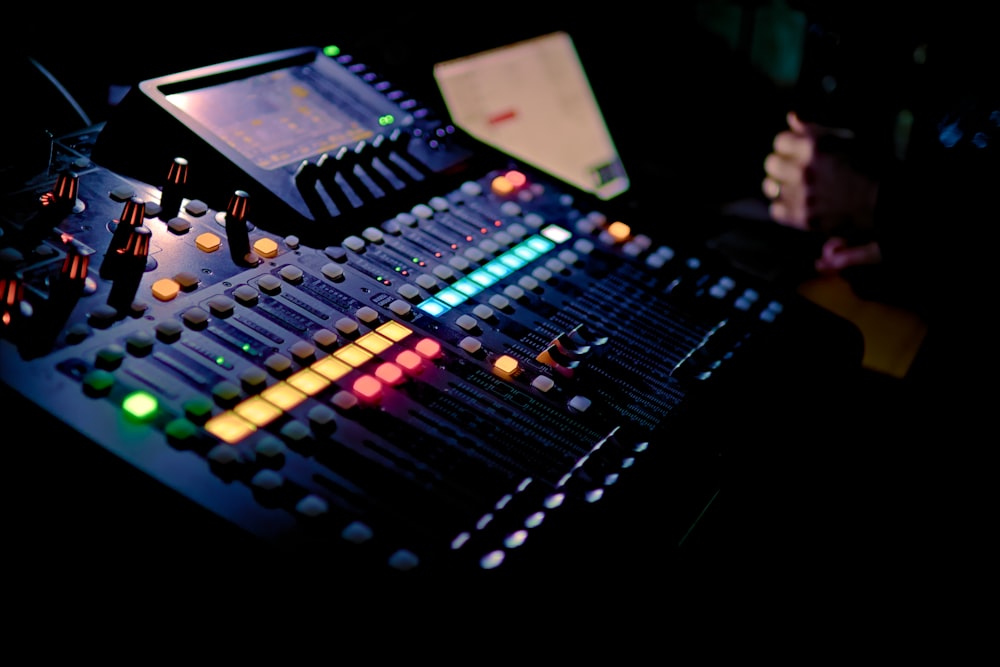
x: 282, y: 117
x: 532, y: 100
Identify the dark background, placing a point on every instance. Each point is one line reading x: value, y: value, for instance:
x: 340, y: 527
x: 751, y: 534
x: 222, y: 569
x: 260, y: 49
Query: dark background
x: 693, y: 92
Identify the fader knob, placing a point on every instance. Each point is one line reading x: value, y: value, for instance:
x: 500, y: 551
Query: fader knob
x: 132, y: 216
x: 63, y: 197
x: 174, y: 187
x: 236, y: 228
x: 11, y: 300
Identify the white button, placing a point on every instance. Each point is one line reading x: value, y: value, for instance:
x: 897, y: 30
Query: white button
x: 443, y: 272
x: 499, y: 301
x: 459, y: 263
x: 514, y: 292
x: 439, y: 203
x: 422, y: 211
x: 543, y: 383
x: 467, y: 322
x: 355, y: 243
x: 541, y: 273
x: 474, y: 254
x: 579, y: 403
x: 400, y: 307
x: 333, y: 271
x: 367, y: 315
x: 408, y: 291
x: 483, y: 311
x: 470, y: 344
x: 426, y: 281
x: 527, y: 282
x: 471, y: 189
x: 373, y: 234
x: 510, y: 208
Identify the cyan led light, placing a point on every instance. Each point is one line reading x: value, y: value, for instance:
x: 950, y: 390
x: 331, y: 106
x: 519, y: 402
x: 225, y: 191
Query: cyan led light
x: 450, y: 296
x: 542, y: 245
x: 520, y: 255
x: 497, y: 268
x: 433, y: 307
x: 525, y: 252
x: 512, y: 260
x: 467, y: 287
x: 482, y: 277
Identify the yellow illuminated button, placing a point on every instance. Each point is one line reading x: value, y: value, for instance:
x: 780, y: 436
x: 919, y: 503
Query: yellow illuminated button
x: 166, y: 289
x: 501, y: 186
x: 505, y: 364
x: 308, y: 381
x: 265, y: 247
x: 283, y: 395
x: 619, y: 231
x: 208, y: 242
x: 352, y: 355
x: 331, y: 368
x: 257, y: 411
x: 374, y: 343
x: 229, y: 427
x: 394, y: 331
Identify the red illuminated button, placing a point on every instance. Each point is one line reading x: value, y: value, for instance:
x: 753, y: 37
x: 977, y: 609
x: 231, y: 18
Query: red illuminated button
x: 428, y: 348
x: 368, y: 388
x: 389, y: 373
x: 410, y: 361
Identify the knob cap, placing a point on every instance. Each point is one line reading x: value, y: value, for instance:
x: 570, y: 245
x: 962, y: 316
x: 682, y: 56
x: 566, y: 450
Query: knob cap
x: 236, y: 228
x: 132, y: 216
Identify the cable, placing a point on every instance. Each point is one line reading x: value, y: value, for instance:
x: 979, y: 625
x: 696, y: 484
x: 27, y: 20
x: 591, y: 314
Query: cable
x: 62, y: 90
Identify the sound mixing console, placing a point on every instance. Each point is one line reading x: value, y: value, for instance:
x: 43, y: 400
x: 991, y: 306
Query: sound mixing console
x: 359, y: 332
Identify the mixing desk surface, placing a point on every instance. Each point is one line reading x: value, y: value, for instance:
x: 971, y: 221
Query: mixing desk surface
x: 282, y: 299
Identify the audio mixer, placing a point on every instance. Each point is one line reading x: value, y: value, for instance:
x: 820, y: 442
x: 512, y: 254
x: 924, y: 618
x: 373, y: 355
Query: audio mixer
x: 295, y: 298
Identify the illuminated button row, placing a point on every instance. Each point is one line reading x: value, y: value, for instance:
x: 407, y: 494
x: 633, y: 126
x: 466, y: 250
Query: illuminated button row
x: 260, y: 410
x: 495, y: 270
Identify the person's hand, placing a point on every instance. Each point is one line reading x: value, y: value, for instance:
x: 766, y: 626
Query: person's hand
x: 812, y: 185
x: 838, y: 254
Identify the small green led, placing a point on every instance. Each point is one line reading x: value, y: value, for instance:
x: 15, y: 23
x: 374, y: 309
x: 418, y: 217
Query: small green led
x: 332, y: 51
x: 387, y: 119
x: 140, y: 405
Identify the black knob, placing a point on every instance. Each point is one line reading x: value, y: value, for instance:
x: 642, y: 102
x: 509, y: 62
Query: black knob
x: 63, y: 197
x: 74, y: 270
x: 133, y: 214
x: 236, y: 228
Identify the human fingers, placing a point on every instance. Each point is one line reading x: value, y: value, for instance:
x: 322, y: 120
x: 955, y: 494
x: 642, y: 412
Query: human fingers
x: 837, y: 255
x: 784, y: 169
x: 789, y: 214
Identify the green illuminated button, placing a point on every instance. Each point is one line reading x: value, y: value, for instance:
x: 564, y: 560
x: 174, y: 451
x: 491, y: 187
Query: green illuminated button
x: 98, y: 383
x: 140, y: 405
